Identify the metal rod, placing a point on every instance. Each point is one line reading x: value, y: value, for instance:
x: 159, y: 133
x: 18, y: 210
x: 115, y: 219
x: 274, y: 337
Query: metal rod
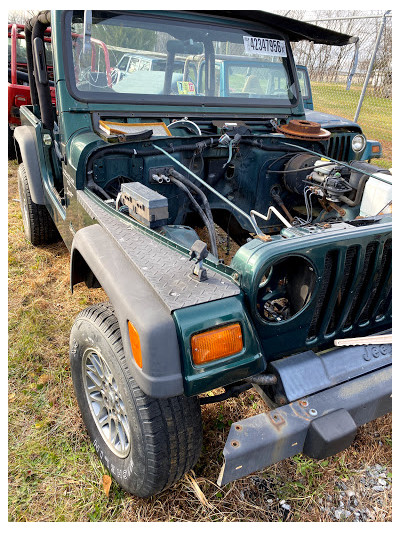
x: 354, y: 65
x: 360, y: 341
x: 379, y: 178
x: 243, y: 213
x: 262, y: 379
x: 371, y: 64
x: 348, y: 18
x: 271, y: 210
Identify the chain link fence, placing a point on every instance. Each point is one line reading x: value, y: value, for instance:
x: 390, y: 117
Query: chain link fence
x: 353, y: 81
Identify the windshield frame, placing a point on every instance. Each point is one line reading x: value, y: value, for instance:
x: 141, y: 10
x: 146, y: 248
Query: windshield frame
x: 177, y: 100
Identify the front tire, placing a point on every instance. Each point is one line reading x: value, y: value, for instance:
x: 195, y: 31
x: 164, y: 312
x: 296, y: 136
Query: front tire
x: 39, y: 227
x: 147, y: 444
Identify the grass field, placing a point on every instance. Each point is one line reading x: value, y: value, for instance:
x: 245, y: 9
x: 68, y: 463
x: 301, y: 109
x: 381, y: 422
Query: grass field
x: 375, y: 116
x: 54, y: 473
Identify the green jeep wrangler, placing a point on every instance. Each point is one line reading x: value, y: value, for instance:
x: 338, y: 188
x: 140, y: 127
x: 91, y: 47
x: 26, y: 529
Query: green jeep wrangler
x: 144, y: 176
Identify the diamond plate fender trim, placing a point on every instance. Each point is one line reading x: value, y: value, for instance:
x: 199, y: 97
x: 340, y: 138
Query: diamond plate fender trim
x: 165, y: 269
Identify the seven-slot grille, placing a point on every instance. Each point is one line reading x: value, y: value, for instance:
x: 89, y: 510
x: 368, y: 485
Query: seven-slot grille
x: 339, y: 146
x: 355, y: 289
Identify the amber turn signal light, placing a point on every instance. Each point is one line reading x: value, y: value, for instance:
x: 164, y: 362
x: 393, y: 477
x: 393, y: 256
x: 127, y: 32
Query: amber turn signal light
x: 135, y: 344
x: 217, y: 343
x: 375, y: 149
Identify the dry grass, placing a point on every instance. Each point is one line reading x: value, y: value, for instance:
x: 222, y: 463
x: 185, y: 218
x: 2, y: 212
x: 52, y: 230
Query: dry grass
x: 54, y: 474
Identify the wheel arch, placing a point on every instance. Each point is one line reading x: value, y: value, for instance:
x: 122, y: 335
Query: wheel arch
x: 25, y: 142
x: 98, y: 261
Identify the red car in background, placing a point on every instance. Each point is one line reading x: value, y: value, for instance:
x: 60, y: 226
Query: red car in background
x: 18, y: 82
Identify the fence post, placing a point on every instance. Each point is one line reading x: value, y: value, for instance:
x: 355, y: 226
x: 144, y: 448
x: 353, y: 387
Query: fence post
x: 371, y: 64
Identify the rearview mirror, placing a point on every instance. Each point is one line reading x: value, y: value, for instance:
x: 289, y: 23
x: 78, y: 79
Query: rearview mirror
x: 184, y: 47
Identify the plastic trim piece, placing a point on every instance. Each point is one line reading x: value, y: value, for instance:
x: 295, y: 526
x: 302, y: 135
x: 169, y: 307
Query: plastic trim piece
x: 26, y: 139
x: 94, y: 253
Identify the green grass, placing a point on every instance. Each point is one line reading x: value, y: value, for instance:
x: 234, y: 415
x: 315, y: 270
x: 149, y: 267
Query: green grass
x: 54, y: 473
x: 375, y: 116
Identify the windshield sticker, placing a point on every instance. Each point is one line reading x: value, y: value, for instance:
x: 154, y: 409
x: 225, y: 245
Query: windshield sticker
x: 265, y: 47
x: 186, y: 87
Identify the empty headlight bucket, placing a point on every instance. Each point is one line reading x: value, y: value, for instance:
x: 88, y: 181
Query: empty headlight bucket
x: 285, y: 288
x: 358, y: 143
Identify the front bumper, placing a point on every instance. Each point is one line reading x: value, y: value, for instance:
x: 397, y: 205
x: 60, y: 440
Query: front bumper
x: 319, y: 425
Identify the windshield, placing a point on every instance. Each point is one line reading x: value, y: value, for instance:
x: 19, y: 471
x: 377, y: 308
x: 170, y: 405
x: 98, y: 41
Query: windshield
x: 303, y: 83
x: 181, y: 61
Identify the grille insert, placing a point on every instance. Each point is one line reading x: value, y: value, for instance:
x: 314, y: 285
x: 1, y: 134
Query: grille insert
x: 355, y: 289
x: 339, y: 146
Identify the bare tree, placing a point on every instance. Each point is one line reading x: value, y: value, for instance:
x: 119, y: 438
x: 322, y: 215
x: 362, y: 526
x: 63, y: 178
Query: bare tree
x: 333, y: 64
x: 20, y: 16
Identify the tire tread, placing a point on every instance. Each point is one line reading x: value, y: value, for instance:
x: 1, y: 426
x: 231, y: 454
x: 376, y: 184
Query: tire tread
x: 42, y: 229
x: 172, y: 427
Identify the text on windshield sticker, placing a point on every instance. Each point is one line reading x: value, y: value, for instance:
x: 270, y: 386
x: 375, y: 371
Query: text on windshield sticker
x: 262, y: 46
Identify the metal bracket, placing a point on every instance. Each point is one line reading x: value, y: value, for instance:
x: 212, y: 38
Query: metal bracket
x: 87, y: 31
x: 199, y: 252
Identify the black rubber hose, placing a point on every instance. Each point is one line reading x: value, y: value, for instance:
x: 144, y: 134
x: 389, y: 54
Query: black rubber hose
x: 204, y: 199
x: 204, y: 217
x: 209, y: 142
x: 122, y: 150
x: 359, y: 193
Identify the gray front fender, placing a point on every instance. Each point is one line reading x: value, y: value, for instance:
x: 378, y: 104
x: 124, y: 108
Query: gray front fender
x: 95, y: 254
x: 26, y: 139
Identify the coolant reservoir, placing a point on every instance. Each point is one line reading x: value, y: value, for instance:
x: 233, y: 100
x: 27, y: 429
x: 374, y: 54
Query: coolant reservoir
x: 377, y: 195
x: 322, y: 167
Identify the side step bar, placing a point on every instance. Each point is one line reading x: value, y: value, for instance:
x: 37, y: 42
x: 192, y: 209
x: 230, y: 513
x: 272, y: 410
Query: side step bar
x: 319, y: 425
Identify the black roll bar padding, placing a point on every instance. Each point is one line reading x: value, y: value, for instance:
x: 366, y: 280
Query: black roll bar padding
x: 40, y: 61
x: 209, y: 56
x: 206, y: 71
x: 169, y: 69
x: 177, y: 47
x: 40, y: 88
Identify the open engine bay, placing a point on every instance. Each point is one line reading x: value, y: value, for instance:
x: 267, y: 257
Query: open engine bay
x: 252, y: 186
x: 268, y: 187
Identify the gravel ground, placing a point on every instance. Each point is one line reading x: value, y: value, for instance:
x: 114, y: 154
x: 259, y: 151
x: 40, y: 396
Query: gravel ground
x: 374, y: 486
x: 359, y: 499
